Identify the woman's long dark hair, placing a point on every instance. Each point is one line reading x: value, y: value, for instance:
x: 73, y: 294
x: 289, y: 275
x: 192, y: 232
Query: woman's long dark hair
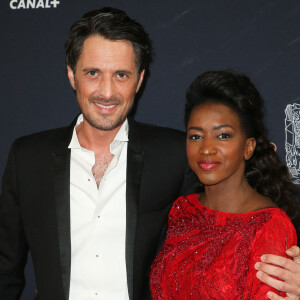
x: 264, y: 171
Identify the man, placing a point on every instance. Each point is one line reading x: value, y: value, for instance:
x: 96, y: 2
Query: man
x: 90, y: 201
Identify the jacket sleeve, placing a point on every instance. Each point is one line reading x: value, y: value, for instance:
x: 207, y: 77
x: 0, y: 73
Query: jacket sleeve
x: 13, y: 245
x: 190, y: 183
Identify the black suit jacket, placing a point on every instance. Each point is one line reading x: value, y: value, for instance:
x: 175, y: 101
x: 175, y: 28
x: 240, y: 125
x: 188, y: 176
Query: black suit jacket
x: 35, y: 207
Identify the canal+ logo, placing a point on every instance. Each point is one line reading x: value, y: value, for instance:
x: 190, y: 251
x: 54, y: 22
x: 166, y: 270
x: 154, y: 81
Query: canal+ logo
x: 32, y: 4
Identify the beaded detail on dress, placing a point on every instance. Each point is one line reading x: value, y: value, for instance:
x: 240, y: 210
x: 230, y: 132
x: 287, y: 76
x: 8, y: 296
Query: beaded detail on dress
x: 207, y: 253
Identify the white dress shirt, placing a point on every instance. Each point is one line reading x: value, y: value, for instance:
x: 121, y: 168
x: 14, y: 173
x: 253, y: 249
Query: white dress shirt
x: 98, y: 222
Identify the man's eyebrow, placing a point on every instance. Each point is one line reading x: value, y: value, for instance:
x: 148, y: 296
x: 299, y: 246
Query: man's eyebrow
x: 87, y: 69
x: 90, y: 69
x: 124, y: 71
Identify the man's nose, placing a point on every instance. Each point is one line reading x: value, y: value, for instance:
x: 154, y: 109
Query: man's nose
x: 106, y: 87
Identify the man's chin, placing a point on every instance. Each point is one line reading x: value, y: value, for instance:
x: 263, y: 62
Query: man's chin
x: 106, y: 125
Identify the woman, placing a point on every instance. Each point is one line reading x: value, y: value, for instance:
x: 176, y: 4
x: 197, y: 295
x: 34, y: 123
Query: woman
x: 215, y: 237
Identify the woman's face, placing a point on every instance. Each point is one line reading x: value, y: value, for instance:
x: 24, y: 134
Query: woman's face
x: 216, y: 145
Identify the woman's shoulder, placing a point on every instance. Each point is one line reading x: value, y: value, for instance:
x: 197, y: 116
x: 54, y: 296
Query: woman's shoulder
x: 278, y: 215
x: 279, y: 229
x: 186, y: 200
x: 184, y: 204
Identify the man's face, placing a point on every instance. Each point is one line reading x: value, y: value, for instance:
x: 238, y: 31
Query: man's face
x: 106, y: 81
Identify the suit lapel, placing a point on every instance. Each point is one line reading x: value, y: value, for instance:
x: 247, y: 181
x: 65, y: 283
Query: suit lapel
x: 61, y: 162
x: 135, y: 156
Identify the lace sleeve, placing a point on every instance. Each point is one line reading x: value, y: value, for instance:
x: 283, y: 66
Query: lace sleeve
x: 274, y: 238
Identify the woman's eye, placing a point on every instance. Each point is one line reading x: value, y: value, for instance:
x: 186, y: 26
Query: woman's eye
x: 194, y: 137
x: 224, y: 135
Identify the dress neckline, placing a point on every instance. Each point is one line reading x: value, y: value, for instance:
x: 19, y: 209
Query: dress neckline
x: 195, y: 199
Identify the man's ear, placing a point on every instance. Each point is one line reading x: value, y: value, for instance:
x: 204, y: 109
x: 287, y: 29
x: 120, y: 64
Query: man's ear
x: 71, y: 77
x: 141, y: 77
x: 250, y: 147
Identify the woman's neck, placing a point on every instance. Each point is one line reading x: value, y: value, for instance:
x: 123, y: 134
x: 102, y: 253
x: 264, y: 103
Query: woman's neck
x: 234, y: 199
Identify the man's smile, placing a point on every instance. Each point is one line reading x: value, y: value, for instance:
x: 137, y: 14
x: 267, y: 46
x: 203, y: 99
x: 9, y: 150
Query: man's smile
x: 106, y: 108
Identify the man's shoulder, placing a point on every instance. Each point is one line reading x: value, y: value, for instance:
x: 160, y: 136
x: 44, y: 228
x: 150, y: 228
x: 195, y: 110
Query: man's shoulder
x: 45, y: 138
x: 159, y: 131
x: 157, y: 140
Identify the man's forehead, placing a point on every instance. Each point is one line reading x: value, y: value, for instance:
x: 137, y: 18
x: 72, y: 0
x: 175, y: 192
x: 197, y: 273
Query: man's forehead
x: 99, y: 50
x: 95, y: 37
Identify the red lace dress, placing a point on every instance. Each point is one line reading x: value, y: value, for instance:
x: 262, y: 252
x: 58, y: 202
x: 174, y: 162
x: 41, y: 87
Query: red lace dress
x: 210, y: 254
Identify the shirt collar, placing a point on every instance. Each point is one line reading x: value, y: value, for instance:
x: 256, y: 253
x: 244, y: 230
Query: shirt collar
x: 121, y: 136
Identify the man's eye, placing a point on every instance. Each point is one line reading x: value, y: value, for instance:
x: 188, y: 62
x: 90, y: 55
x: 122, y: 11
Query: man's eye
x: 224, y: 135
x: 121, y: 75
x: 92, y: 73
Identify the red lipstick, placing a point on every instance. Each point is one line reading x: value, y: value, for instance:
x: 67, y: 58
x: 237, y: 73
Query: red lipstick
x: 207, y: 165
